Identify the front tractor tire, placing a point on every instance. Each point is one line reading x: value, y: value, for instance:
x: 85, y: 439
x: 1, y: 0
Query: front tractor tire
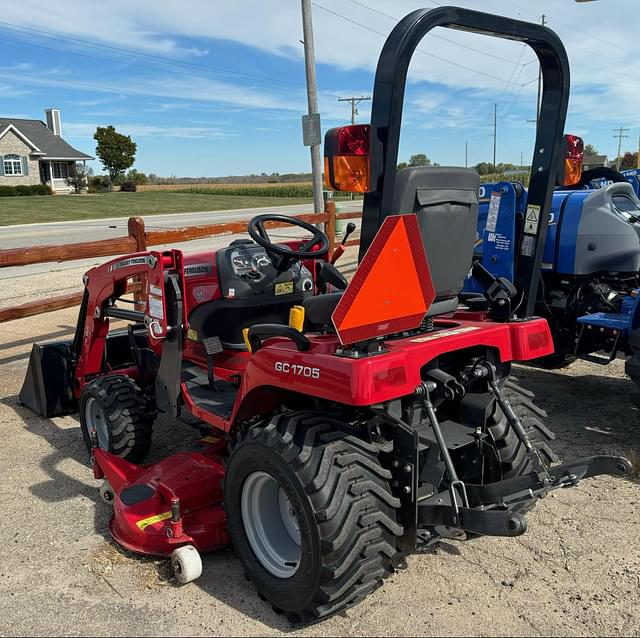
x: 310, y: 514
x: 121, y: 415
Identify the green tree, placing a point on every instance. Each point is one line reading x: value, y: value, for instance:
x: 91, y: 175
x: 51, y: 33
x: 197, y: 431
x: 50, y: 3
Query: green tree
x: 485, y: 168
x: 117, y: 152
x: 401, y: 166
x: 137, y: 177
x: 419, y: 159
x: 590, y: 149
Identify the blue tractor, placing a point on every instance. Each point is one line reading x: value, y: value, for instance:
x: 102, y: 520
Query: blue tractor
x: 589, y: 273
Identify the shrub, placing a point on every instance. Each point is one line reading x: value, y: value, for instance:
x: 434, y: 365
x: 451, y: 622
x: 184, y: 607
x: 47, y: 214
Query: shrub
x: 41, y: 189
x: 128, y: 187
x: 99, y: 184
x: 22, y: 190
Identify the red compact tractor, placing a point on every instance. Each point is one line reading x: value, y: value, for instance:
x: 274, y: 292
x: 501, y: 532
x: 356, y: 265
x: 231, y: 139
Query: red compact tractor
x: 349, y: 424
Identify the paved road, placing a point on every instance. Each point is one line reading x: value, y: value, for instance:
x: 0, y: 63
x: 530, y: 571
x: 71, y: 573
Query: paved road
x: 37, y: 281
x: 93, y: 229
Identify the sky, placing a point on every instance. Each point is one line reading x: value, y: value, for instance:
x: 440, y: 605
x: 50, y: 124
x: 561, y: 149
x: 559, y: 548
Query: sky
x: 212, y: 87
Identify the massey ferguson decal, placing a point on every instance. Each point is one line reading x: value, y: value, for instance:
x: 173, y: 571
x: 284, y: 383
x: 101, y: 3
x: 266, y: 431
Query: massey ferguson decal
x: 125, y: 263
x: 197, y: 269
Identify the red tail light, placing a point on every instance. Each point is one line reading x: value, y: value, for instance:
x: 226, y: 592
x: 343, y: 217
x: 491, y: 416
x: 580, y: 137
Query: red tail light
x: 346, y: 158
x: 573, y: 160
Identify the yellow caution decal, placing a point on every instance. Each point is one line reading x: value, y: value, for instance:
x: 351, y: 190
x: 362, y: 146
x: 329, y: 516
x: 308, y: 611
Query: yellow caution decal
x: 192, y: 334
x: 143, y: 523
x: 283, y: 288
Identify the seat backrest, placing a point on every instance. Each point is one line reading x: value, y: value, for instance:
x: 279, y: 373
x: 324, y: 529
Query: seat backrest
x: 445, y: 200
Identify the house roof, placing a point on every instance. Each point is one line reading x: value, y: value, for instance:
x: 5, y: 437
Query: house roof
x: 41, y: 139
x: 598, y: 160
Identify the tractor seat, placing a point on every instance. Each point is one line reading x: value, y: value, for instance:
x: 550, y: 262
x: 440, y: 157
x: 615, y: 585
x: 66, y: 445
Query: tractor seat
x: 445, y: 202
x: 319, y: 308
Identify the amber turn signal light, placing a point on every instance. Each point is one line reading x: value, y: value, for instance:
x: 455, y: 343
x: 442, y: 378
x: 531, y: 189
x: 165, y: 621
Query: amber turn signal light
x: 346, y: 158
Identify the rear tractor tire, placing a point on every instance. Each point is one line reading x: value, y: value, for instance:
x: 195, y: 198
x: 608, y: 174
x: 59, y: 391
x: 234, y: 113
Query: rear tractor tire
x: 120, y: 414
x: 311, y: 514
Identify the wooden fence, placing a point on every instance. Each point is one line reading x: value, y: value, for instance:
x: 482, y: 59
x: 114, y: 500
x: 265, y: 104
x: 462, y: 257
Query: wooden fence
x: 138, y: 239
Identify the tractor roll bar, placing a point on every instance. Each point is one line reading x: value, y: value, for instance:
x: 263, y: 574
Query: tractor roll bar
x: 386, y: 117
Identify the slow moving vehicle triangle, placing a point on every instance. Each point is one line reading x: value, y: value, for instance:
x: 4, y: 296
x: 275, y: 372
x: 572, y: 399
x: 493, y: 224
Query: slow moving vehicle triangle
x: 392, y: 288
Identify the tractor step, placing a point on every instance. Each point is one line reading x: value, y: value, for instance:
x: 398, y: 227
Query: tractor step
x: 219, y: 401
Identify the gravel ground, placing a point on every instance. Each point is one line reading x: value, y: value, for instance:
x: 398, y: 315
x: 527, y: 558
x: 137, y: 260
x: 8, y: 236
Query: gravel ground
x: 575, y: 572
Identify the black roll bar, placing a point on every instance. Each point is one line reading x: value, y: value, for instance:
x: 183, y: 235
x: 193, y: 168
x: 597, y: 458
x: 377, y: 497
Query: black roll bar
x: 386, y: 117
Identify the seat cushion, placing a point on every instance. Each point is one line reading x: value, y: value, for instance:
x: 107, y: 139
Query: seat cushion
x: 318, y: 309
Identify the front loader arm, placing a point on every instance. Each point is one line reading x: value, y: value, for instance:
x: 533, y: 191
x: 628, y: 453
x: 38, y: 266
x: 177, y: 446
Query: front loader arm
x: 106, y: 283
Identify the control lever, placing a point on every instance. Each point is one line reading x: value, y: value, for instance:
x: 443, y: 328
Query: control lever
x: 339, y: 251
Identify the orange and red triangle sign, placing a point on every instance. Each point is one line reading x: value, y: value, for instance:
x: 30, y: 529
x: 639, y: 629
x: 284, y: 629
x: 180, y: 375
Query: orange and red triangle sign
x: 392, y: 288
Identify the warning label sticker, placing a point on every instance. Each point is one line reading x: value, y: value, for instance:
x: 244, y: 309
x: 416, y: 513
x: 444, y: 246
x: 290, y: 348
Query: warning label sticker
x: 156, y: 309
x: 531, y: 219
x: 528, y: 244
x: 143, y: 523
x: 445, y: 333
x: 494, y: 209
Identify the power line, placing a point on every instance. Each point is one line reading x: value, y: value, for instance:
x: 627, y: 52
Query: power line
x: 384, y: 35
x: 620, y: 135
x: 431, y: 35
x: 129, y: 52
x: 354, y: 102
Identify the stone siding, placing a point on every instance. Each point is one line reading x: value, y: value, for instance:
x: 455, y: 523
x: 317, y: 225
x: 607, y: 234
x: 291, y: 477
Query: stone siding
x: 11, y: 144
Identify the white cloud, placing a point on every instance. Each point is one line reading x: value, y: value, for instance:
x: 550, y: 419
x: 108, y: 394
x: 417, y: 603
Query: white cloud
x: 186, y: 87
x: 86, y: 129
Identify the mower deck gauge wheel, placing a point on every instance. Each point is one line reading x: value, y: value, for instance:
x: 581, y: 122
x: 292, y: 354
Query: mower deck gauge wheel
x: 186, y: 564
x: 106, y: 493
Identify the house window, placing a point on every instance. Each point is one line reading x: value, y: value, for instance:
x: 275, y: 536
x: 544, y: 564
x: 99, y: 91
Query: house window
x: 12, y: 165
x: 60, y: 170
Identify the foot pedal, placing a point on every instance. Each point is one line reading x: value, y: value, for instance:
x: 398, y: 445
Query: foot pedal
x: 212, y: 346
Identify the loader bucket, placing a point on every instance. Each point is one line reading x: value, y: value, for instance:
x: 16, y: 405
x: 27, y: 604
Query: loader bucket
x: 47, y: 386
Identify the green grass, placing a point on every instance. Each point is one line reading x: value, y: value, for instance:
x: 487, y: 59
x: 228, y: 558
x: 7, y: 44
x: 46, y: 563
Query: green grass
x: 27, y: 210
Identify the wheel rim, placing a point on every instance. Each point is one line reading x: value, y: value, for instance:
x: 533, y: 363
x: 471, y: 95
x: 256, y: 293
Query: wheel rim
x: 271, y: 525
x: 96, y: 421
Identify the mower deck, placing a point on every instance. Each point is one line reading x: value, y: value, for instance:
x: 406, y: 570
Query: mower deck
x: 172, y: 503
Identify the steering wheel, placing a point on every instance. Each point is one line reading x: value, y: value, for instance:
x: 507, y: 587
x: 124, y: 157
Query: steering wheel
x: 287, y: 255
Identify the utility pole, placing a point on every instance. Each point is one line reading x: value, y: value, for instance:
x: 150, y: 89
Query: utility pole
x: 354, y: 102
x: 620, y: 134
x: 539, y: 101
x: 312, y: 98
x: 495, y: 131
x: 521, y: 162
x: 638, y: 155
x: 466, y: 154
